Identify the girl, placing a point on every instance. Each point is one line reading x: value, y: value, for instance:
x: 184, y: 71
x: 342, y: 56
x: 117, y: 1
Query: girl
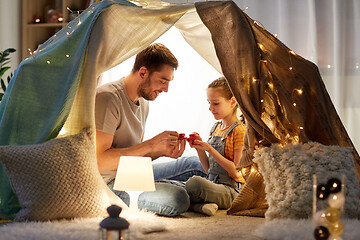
x: 223, y: 149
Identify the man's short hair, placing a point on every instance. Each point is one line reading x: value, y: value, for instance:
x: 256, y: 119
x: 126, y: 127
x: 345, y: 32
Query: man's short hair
x: 154, y: 57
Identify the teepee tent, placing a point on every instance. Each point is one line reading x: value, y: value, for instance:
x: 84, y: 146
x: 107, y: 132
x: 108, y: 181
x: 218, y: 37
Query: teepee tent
x: 281, y: 95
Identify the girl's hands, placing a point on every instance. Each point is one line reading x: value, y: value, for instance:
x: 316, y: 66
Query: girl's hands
x: 196, y: 142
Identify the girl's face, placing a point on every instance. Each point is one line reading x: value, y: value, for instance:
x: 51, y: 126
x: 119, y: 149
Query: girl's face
x: 220, y: 107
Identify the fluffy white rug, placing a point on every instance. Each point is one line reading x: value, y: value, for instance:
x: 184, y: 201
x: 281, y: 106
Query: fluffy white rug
x: 77, y: 229
x: 291, y: 229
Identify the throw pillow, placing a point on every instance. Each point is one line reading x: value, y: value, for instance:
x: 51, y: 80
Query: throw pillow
x: 58, y: 179
x: 288, y: 176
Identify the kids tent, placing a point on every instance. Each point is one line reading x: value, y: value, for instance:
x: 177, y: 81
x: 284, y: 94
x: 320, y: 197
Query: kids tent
x: 280, y: 94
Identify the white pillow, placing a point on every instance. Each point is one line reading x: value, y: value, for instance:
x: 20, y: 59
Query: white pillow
x: 288, y: 171
x: 58, y: 179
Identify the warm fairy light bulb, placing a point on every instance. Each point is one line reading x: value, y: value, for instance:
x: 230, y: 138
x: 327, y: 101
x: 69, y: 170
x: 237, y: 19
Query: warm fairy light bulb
x: 292, y: 52
x: 275, y: 35
x: 30, y: 51
x: 62, y: 131
x: 301, y: 128
x: 68, y: 34
x: 262, y: 100
x: 300, y: 91
x: 254, y: 79
x: 290, y: 68
x: 271, y: 86
x: 329, y: 66
x: 60, y: 19
x: 69, y: 9
x: 294, y: 104
x: 245, y: 8
x: 37, y: 20
x: 261, y: 46
x: 265, y: 61
x: 67, y: 55
x: 48, y: 62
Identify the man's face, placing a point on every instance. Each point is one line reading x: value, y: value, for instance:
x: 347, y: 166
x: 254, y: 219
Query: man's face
x: 155, y: 83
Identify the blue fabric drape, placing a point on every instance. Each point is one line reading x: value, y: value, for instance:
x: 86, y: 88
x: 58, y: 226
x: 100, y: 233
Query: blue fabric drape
x: 41, y: 92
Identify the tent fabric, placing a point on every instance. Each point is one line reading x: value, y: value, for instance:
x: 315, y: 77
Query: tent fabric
x: 39, y: 97
x: 281, y: 94
x: 54, y: 89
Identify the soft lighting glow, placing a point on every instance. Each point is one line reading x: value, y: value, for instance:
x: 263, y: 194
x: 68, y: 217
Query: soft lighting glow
x: 67, y: 55
x: 134, y: 175
x: 48, y: 62
x: 329, y: 66
x: 294, y: 104
x: 301, y: 128
x: 261, y: 46
x: 271, y: 86
x: 300, y: 91
x: 62, y: 131
x: 290, y: 68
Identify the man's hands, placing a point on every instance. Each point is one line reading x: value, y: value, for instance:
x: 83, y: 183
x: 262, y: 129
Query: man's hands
x: 167, y: 144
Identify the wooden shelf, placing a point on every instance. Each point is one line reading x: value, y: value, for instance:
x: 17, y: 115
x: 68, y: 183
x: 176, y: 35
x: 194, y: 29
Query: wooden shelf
x: 34, y: 34
x: 44, y: 25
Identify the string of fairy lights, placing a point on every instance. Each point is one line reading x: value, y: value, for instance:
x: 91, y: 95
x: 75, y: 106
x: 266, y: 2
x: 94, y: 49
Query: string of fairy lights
x: 328, y: 224
x: 297, y: 91
x: 71, y: 27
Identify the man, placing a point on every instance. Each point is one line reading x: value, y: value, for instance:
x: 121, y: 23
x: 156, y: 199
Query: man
x: 121, y: 110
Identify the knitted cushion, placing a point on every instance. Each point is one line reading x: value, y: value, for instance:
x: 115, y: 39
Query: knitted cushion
x: 288, y: 176
x: 58, y: 178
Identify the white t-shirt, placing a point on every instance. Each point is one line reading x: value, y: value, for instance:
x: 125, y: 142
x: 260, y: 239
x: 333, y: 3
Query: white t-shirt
x: 117, y: 115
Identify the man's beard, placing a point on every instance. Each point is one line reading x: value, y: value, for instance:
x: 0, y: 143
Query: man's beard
x: 143, y: 90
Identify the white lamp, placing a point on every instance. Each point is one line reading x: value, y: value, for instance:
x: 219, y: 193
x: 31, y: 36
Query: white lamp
x: 134, y: 175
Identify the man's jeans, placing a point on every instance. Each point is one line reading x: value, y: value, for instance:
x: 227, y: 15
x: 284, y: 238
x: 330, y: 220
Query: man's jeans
x: 180, y: 169
x: 170, y: 197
